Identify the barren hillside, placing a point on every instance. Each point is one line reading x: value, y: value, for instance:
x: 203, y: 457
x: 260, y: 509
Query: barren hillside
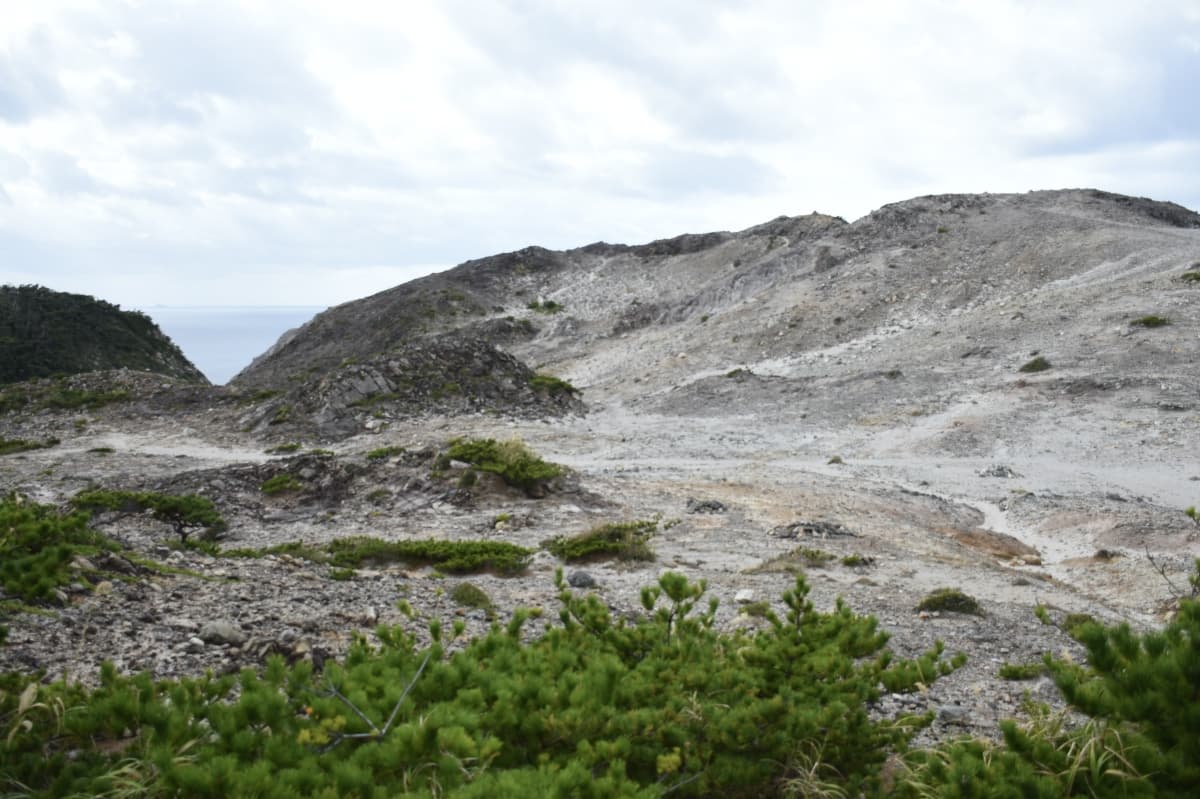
x: 863, y: 401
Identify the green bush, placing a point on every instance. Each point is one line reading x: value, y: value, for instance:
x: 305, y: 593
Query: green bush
x: 455, y: 557
x: 620, y: 540
x: 285, y: 449
x: 546, y: 306
x: 512, y: 460
x: 1153, y: 320
x: 1142, y: 737
x: 1192, y: 276
x: 184, y: 513
x: 798, y: 559
x: 665, y: 705
x: 38, y: 546
x: 280, y: 484
x: 471, y: 596
x: 1038, y: 364
x: 552, y: 385
x: 950, y: 600
x: 9, y: 446
x: 1021, y: 671
x: 381, y: 453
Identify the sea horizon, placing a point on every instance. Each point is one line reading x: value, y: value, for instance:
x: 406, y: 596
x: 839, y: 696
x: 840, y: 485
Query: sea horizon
x: 221, y: 340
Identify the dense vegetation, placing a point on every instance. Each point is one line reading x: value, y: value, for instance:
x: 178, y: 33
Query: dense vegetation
x: 44, y: 333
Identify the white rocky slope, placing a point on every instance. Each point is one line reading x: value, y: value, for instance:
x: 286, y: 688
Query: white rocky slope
x: 727, y: 368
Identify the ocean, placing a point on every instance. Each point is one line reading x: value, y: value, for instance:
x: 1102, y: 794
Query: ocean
x: 222, y: 340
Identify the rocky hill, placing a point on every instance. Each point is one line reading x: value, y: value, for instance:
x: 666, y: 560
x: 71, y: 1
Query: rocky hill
x: 995, y: 393
x: 44, y: 332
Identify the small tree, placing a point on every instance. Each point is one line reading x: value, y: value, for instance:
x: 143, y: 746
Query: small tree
x: 185, y: 513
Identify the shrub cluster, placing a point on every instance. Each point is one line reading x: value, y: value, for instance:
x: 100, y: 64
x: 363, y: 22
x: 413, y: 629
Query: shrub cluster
x: 452, y: 557
x: 511, y: 459
x: 38, y: 546
x: 950, y: 600
x: 620, y: 540
x: 185, y: 513
x: 9, y: 446
x: 554, y: 386
x: 281, y: 484
x: 596, y: 707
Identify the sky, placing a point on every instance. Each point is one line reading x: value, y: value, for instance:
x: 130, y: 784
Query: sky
x: 310, y: 153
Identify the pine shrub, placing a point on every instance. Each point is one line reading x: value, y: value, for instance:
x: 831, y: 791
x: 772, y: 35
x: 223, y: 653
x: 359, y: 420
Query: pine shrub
x: 595, y: 707
x: 1038, y: 364
x: 185, y: 513
x: 950, y: 600
x: 512, y: 460
x: 38, y: 546
x: 620, y: 540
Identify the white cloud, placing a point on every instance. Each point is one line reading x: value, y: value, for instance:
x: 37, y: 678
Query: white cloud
x: 185, y: 149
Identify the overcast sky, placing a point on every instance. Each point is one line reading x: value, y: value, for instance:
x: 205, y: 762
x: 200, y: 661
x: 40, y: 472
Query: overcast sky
x: 303, y: 152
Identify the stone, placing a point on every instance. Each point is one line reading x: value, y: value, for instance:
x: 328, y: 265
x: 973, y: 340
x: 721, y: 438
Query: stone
x: 744, y: 597
x: 705, y: 506
x: 581, y: 579
x: 193, y: 646
x: 222, y: 632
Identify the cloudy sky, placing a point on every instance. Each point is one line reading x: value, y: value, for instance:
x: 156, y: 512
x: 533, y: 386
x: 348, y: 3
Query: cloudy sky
x: 272, y: 153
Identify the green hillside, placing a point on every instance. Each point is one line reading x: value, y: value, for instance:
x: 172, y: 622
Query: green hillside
x: 44, y: 332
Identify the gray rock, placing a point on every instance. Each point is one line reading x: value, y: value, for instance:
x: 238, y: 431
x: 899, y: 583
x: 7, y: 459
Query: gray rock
x: 705, y: 506
x: 222, y: 632
x: 581, y: 579
x: 954, y: 714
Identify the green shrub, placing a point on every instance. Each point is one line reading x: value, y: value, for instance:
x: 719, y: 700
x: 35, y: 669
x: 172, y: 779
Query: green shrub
x: 664, y: 705
x: 342, y: 574
x: 798, y: 559
x: 1153, y: 320
x: 282, y: 414
x: 546, y: 306
x: 380, y: 453
x: 1038, y: 364
x: 512, y: 460
x: 281, y: 483
x: 284, y: 449
x: 620, y: 540
x: 950, y: 600
x: 64, y: 398
x: 470, y: 595
x: 455, y: 557
x: 1021, y: 671
x: 552, y: 385
x: 756, y: 610
x: 9, y: 446
x: 1192, y: 276
x: 1073, y: 622
x: 37, y: 548
x: 857, y: 561
x: 184, y: 513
